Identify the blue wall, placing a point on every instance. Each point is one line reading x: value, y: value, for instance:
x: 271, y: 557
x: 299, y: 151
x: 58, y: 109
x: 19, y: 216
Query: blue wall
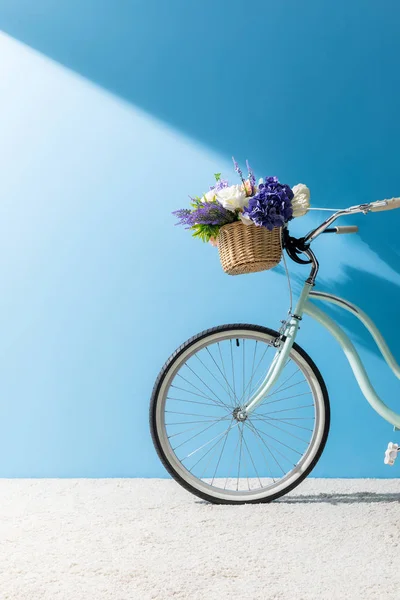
x: 111, y: 113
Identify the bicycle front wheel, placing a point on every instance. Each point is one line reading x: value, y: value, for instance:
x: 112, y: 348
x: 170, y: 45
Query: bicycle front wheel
x: 194, y: 424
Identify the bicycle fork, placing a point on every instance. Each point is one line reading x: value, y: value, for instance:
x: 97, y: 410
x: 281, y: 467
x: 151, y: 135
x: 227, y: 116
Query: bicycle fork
x: 284, y: 344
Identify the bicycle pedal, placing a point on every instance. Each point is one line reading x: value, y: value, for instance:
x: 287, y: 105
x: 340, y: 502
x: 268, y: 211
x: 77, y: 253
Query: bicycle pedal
x: 391, y: 454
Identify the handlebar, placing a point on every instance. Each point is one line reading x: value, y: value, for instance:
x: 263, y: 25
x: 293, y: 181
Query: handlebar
x: 385, y: 205
x: 342, y: 229
x: 295, y: 247
x: 377, y: 206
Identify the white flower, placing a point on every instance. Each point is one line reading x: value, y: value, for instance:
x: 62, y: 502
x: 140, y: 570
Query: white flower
x: 209, y: 196
x: 232, y: 197
x: 301, y: 200
x: 245, y: 219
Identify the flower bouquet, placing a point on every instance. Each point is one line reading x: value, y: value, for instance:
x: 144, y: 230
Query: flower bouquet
x: 245, y: 221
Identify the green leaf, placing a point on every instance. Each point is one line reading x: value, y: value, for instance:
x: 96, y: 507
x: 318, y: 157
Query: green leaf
x: 217, y: 176
x: 205, y: 232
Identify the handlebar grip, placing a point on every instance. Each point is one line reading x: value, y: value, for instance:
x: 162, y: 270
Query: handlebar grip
x: 347, y: 229
x: 385, y: 205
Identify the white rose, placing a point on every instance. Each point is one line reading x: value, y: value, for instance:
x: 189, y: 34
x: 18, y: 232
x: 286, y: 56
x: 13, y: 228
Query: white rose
x: 209, y: 196
x: 245, y: 219
x: 232, y: 197
x: 301, y: 200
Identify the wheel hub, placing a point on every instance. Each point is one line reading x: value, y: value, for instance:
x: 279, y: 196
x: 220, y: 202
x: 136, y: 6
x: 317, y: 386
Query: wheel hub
x: 239, y: 414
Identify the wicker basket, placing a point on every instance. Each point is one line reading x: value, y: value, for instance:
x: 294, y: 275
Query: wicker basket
x: 247, y: 248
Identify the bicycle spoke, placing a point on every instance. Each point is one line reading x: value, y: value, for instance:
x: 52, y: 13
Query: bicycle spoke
x: 267, y: 447
x: 174, y: 412
x: 225, y: 378
x: 264, y: 402
x: 240, y: 456
x: 279, y: 442
x: 212, y: 374
x: 244, y: 365
x: 284, y: 430
x: 224, y: 370
x: 220, y: 438
x: 189, y: 422
x: 271, y: 446
x: 220, y: 456
x: 206, y: 443
x: 215, y: 448
x: 233, y: 373
x: 252, y: 370
x: 261, y: 378
x: 190, y: 401
x: 286, y: 380
x: 254, y: 415
x: 245, y: 465
x: 208, y: 387
x: 196, y: 388
x: 199, y: 433
x: 252, y: 461
x: 285, y: 398
x: 185, y: 430
x: 274, y: 412
x: 292, y: 464
x: 233, y: 458
x: 286, y: 388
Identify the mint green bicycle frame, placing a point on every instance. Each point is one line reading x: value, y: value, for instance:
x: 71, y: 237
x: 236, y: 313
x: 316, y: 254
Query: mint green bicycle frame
x: 285, y: 342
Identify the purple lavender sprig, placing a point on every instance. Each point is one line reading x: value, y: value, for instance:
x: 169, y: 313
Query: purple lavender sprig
x: 252, y: 177
x: 220, y: 185
x: 183, y: 214
x: 205, y: 213
x: 238, y: 170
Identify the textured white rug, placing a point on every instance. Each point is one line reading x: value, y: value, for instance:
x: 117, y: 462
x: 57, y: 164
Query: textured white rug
x: 149, y: 539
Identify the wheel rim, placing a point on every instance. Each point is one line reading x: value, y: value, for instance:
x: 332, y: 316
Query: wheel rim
x: 199, y: 423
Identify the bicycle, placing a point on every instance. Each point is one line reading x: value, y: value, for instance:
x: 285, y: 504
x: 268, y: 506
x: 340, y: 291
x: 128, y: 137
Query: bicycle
x: 252, y: 404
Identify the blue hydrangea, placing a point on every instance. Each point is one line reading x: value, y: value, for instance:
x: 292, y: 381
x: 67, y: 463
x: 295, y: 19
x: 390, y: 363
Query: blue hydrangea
x: 271, y: 206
